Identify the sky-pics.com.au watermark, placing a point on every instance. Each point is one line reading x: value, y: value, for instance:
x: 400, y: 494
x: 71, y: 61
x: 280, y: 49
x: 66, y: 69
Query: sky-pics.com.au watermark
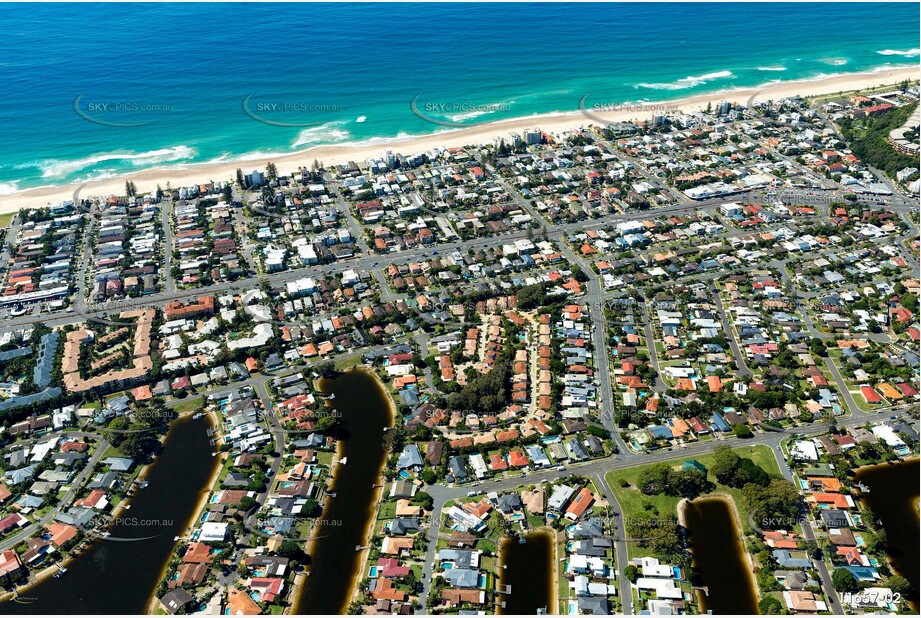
x: 622, y: 527
x: 761, y: 522
x: 155, y: 418
x: 595, y: 111
x: 287, y: 111
x: 118, y: 112
x: 125, y: 529
x: 286, y: 527
x: 454, y: 113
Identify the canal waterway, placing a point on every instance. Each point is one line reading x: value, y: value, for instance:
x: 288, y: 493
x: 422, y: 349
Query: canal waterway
x: 893, y: 498
x: 719, y: 560
x: 366, y: 413
x: 119, y: 574
x: 528, y: 569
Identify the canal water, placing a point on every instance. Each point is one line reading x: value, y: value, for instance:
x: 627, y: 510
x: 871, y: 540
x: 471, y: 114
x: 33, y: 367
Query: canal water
x: 893, y: 498
x: 719, y: 560
x: 119, y: 574
x: 529, y: 571
x: 366, y: 411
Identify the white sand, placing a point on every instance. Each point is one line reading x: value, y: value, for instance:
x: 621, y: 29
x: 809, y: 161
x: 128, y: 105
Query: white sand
x: 147, y: 180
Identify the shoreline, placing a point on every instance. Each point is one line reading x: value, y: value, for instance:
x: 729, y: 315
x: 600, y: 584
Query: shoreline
x: 545, y: 530
x: 372, y: 516
x: 202, y: 502
x: 90, y: 541
x: 553, y: 122
x: 740, y: 538
x: 916, y: 503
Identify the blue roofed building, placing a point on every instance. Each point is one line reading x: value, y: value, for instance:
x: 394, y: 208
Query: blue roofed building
x: 718, y: 422
x: 409, y: 458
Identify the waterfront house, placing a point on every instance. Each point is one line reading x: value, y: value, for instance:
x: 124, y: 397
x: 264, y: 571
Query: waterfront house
x: 401, y: 526
x: 803, y: 602
x: 794, y: 580
x: 393, y: 546
x: 176, y: 601
x: 239, y: 603
x: 455, y: 597
x: 792, y: 559
x: 9, y: 563
x: 213, y: 532
x: 462, y: 578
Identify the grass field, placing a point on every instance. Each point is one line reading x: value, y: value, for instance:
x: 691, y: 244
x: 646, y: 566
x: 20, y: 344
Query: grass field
x: 348, y: 362
x: 188, y: 405
x: 633, y: 502
x: 5, y: 219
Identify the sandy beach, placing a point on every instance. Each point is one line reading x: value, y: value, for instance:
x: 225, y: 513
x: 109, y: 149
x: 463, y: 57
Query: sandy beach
x: 147, y: 180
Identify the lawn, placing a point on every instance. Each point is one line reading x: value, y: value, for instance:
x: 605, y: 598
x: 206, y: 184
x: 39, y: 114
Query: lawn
x: 5, y: 219
x: 387, y: 510
x: 183, y: 406
x: 632, y: 501
x: 347, y: 362
x: 325, y: 458
x: 111, y: 451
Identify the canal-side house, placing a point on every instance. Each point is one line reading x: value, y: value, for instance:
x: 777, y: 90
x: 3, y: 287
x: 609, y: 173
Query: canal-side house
x: 803, y: 602
x: 660, y: 580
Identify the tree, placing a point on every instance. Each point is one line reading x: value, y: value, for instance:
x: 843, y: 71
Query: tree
x: 424, y: 500
x: 776, y: 506
x: 725, y: 462
x: 530, y: 296
x: 843, y: 580
x: 227, y: 194
x: 742, y: 431
x: 660, y: 535
x: 654, y: 479
x: 241, y: 180
x: 769, y: 606
x: 271, y: 172
x: 898, y: 584
x: 632, y: 573
x: 690, y: 483
x: 289, y: 549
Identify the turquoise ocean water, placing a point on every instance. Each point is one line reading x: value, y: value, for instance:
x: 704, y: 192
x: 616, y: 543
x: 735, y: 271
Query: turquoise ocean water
x: 93, y: 90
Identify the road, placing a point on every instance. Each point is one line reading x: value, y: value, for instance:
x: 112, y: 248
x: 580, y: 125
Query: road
x: 597, y: 469
x: 75, y: 486
x: 595, y: 309
x: 660, y: 385
x: 742, y: 367
x: 595, y: 297
x: 368, y: 263
x: 166, y: 213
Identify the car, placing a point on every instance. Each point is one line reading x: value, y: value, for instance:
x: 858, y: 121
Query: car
x: 561, y: 468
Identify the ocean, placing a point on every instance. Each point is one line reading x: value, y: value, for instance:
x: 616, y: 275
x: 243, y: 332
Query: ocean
x: 96, y: 90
